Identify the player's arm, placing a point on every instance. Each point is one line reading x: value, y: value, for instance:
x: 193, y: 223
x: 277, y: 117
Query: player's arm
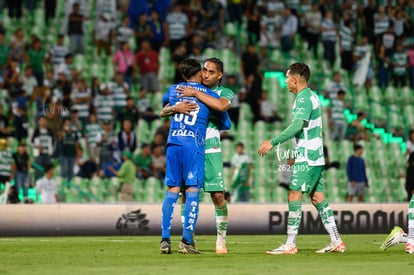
x: 221, y: 104
x: 184, y: 107
x: 288, y: 133
x: 300, y: 117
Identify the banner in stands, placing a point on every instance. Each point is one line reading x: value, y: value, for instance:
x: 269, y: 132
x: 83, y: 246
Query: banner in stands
x: 145, y: 219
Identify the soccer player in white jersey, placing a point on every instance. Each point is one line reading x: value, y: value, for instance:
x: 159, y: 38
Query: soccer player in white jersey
x: 306, y: 131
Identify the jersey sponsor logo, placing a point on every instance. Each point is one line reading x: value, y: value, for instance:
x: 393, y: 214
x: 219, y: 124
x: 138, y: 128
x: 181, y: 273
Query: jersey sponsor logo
x: 183, y: 133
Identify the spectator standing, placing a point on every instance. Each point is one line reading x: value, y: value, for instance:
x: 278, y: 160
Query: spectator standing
x: 107, y: 145
x: 355, y: 170
x: 250, y: 61
x: 93, y: 135
x: 328, y: 32
x: 270, y: 25
x: 399, y: 67
x: 313, y: 21
x: 124, y: 33
x: 43, y: 138
x: 68, y: 143
x: 47, y: 186
x: 241, y: 174
x: 103, y: 34
x: 142, y: 30
x: 5, y: 127
x: 383, y: 68
x: 75, y: 30
x: 157, y: 29
x: 288, y: 31
x: 104, y: 103
x: 381, y: 23
x: 29, y: 81
x: 123, y: 63
x: 7, y: 165
x: 22, y: 162
x: 127, y: 139
x: 148, y: 65
x: 346, y: 34
x: 176, y: 27
x: 368, y: 20
x: 252, y: 13
x: 36, y: 59
x: 126, y: 175
x: 119, y: 90
x: 361, y: 51
x: 335, y: 86
x: 337, y: 121
x: 57, y: 53
x: 81, y: 98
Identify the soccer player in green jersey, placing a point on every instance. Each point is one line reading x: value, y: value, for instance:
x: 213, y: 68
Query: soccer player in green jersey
x: 306, y: 131
x: 213, y: 178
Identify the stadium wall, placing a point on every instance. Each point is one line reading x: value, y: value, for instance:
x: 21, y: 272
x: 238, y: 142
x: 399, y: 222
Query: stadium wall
x: 145, y: 219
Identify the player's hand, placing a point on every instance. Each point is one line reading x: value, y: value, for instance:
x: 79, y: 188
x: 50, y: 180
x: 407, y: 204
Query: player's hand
x: 185, y: 91
x: 353, y: 183
x: 264, y: 148
x: 185, y: 107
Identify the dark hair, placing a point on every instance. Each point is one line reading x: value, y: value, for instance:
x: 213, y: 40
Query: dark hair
x: 357, y: 147
x: 341, y: 92
x: 49, y: 167
x: 300, y: 69
x: 189, y: 67
x: 219, y: 65
x: 240, y: 144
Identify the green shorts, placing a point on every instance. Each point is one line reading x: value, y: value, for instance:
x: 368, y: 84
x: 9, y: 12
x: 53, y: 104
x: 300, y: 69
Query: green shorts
x: 213, y: 172
x: 307, y: 179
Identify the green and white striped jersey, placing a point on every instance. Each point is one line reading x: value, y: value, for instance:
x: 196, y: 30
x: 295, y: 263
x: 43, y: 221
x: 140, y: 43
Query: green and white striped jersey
x: 213, y: 144
x: 93, y: 133
x: 308, y: 143
x: 337, y: 111
x: 6, y: 161
x: 399, y: 60
x: 104, y: 107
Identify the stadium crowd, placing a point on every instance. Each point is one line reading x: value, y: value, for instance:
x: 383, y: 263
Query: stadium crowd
x: 59, y: 114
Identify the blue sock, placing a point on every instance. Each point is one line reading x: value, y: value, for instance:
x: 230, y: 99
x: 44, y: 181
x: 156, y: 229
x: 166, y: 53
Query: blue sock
x: 190, y: 215
x: 168, y: 213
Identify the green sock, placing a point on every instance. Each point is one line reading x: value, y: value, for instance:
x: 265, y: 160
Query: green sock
x: 221, y: 222
x: 328, y: 220
x: 411, y: 218
x: 294, y: 219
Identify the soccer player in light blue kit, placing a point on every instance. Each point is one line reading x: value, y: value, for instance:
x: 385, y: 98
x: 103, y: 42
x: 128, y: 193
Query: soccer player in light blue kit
x: 185, y: 159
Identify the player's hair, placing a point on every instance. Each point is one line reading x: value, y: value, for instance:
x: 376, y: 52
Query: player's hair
x: 341, y: 92
x: 49, y: 167
x: 357, y: 147
x: 219, y: 66
x: 300, y: 69
x: 189, y: 67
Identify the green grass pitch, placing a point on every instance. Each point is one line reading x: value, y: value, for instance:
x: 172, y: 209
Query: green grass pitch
x: 140, y: 255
